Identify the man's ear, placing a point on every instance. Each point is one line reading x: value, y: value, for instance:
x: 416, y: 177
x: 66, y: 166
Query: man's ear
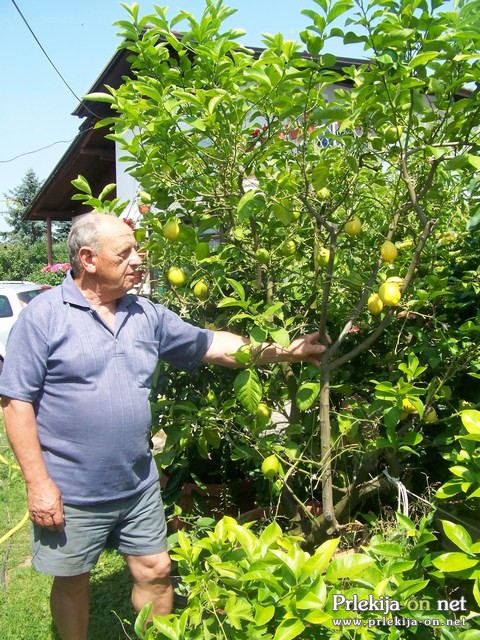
x: 88, y: 259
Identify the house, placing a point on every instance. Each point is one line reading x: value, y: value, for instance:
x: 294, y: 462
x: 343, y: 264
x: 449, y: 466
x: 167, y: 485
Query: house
x: 90, y: 154
x: 94, y: 156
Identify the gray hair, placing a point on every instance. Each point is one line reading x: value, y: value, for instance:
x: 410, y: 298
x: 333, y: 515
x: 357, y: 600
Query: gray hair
x: 85, y: 232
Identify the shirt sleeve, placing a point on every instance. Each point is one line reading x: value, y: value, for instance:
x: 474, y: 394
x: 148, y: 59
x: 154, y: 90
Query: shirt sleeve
x: 182, y: 344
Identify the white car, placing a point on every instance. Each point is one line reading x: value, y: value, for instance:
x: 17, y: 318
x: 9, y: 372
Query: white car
x: 14, y: 296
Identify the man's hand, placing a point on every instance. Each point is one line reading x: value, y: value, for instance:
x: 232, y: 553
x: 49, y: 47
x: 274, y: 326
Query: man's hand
x: 45, y: 505
x: 307, y: 348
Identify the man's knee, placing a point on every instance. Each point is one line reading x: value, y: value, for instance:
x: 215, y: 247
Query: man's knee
x: 71, y: 585
x: 150, y: 569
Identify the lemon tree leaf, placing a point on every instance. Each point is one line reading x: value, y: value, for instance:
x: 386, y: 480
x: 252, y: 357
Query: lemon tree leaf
x: 248, y: 389
x: 454, y: 561
x: 306, y: 395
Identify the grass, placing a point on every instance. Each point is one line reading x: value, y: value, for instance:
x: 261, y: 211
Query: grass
x: 24, y: 593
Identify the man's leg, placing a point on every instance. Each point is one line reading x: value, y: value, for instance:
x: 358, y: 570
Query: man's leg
x: 70, y: 604
x: 151, y: 582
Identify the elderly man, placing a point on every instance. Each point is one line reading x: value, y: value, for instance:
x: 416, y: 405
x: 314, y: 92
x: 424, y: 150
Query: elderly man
x: 75, y: 389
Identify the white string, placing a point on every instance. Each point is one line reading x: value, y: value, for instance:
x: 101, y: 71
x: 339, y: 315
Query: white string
x: 451, y: 516
x: 402, y: 494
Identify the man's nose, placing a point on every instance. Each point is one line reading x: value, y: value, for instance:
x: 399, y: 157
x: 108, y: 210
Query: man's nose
x: 137, y: 257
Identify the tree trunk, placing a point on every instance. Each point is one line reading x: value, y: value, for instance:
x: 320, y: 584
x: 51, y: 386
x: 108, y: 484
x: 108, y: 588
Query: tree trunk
x: 326, y: 448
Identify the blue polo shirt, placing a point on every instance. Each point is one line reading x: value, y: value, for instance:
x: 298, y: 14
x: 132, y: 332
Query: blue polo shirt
x: 90, y: 386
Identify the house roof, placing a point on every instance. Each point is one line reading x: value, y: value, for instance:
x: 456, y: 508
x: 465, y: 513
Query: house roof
x: 91, y: 154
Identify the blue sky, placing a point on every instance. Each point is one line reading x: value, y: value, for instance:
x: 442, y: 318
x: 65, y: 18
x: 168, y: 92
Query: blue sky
x: 80, y: 38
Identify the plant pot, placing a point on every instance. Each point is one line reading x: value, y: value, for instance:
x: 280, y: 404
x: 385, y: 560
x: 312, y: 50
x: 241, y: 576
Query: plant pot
x: 213, y: 500
x: 180, y: 599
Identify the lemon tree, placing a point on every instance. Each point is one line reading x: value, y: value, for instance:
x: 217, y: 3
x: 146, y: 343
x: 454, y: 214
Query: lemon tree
x: 312, y: 195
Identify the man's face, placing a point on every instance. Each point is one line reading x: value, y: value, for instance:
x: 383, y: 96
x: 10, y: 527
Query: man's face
x: 117, y: 261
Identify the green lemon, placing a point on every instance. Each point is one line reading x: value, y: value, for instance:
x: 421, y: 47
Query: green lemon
x: 323, y: 257
x: 271, y: 467
x: 288, y: 248
x: 263, y: 411
x: 202, y: 250
x: 262, y: 256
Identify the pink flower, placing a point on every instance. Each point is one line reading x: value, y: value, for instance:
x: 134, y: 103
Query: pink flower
x: 60, y: 266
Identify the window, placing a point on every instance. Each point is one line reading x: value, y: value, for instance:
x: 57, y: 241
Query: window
x: 5, y: 308
x: 26, y: 296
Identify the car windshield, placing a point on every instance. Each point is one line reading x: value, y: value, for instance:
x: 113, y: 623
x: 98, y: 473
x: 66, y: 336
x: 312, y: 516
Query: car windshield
x: 26, y: 296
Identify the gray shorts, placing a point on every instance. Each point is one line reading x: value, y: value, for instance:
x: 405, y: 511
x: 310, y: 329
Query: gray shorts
x: 135, y: 526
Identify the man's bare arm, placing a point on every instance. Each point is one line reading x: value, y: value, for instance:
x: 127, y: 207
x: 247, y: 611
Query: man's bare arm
x: 44, y: 499
x: 306, y: 348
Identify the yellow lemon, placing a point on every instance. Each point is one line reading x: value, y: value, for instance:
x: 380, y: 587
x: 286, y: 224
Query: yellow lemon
x: 408, y: 406
x: 176, y: 276
x: 389, y: 293
x: 396, y: 280
x: 375, y: 304
x: 353, y: 226
x: 171, y: 229
x: 200, y: 290
x: 389, y: 251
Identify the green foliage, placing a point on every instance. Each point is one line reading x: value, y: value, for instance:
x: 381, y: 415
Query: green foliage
x: 257, y: 151
x: 24, y: 252
x: 18, y: 200
x: 50, y: 277
x: 466, y: 460
x: 245, y: 585
x: 99, y: 203
x: 25, y: 261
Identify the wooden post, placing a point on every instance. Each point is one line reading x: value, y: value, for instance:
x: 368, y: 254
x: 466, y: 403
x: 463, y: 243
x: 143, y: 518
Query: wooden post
x: 49, y: 241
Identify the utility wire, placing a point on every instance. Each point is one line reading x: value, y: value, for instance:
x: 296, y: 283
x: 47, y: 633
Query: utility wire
x: 27, y: 153
x: 49, y: 59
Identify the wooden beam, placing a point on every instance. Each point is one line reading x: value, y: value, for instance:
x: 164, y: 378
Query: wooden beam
x: 49, y: 241
x: 103, y: 153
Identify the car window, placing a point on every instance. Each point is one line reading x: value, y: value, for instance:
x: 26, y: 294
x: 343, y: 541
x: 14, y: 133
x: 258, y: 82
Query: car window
x: 5, y: 307
x: 26, y: 296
